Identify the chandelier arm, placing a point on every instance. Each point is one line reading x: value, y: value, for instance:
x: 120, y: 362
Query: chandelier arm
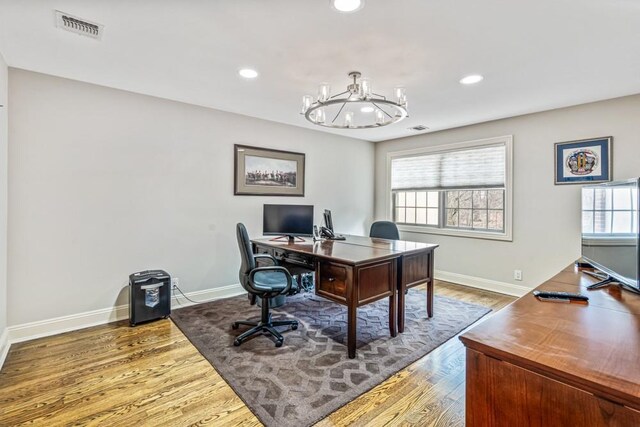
x: 337, y: 95
x: 381, y: 96
x: 339, y: 111
x: 380, y: 108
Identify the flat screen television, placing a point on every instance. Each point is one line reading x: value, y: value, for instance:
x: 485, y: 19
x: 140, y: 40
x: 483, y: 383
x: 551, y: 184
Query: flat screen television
x: 287, y: 220
x: 611, y: 231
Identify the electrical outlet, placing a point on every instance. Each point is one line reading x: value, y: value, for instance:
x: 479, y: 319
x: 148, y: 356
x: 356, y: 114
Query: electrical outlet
x: 175, y: 282
x: 517, y: 274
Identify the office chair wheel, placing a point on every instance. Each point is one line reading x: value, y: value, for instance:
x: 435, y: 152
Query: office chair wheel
x: 279, y: 343
x: 235, y: 325
x: 294, y: 327
x: 236, y: 343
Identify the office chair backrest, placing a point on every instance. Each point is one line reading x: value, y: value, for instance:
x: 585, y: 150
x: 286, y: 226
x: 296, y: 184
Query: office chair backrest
x: 246, y: 253
x: 384, y: 230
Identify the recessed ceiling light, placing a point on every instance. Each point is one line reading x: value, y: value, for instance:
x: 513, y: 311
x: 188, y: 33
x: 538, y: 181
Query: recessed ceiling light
x: 472, y: 79
x: 248, y: 73
x: 367, y: 109
x: 347, y: 6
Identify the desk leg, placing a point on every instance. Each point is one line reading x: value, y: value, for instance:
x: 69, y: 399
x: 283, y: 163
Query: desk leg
x: 430, y: 287
x: 430, y: 298
x: 351, y: 329
x: 401, y: 302
x: 393, y: 316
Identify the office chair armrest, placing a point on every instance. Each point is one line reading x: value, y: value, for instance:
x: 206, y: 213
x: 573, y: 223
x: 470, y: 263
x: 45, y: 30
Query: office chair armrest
x: 268, y: 256
x: 274, y: 269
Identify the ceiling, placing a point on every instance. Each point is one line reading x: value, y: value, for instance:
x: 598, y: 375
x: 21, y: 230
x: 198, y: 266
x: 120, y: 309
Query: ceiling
x: 535, y: 55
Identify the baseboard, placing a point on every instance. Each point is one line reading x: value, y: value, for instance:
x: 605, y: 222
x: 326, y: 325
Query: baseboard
x: 58, y: 325
x: 4, y: 346
x: 480, y: 283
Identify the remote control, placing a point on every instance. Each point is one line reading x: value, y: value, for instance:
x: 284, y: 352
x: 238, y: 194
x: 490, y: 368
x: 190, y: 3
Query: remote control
x: 560, y: 296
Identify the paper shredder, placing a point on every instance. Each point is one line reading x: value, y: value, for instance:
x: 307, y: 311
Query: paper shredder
x: 149, y: 296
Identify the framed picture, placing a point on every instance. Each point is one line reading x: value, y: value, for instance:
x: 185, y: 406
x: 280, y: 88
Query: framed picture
x: 584, y: 161
x: 264, y: 172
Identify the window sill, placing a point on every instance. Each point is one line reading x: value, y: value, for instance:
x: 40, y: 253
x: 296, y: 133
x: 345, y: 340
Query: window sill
x: 473, y: 234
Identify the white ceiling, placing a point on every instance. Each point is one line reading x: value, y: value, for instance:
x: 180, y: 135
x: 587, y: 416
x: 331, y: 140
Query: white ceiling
x: 535, y: 55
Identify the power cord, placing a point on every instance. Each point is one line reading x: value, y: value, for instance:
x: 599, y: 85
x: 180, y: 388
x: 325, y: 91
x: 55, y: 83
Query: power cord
x: 307, y: 286
x: 175, y: 287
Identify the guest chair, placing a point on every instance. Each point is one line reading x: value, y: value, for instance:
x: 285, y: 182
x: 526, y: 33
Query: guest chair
x: 384, y: 230
x: 264, y: 283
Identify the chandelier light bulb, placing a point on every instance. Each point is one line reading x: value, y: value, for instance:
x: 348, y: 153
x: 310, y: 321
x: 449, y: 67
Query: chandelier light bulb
x: 348, y: 119
x: 307, y: 100
x: 400, y: 93
x: 379, y: 117
x: 324, y: 92
x: 320, y: 115
x: 365, y: 88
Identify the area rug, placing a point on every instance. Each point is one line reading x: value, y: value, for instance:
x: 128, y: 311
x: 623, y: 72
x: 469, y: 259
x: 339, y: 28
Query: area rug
x: 310, y: 376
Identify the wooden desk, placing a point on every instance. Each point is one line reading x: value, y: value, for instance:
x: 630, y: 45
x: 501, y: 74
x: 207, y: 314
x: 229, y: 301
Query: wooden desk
x: 360, y: 270
x: 551, y: 364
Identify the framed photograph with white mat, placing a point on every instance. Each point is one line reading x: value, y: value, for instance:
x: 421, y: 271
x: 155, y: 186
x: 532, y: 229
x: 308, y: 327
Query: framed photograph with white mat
x: 583, y: 161
x: 266, y: 172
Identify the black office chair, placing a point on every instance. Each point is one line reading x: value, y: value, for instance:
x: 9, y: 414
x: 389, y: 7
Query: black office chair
x: 264, y: 283
x: 384, y: 230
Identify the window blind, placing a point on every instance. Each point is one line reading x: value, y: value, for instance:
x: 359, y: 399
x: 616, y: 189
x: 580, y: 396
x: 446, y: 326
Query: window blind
x: 466, y: 168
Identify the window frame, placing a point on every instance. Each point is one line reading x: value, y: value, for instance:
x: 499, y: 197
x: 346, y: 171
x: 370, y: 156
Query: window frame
x: 506, y: 235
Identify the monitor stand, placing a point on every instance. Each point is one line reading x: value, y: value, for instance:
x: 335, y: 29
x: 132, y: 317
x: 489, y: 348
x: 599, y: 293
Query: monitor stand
x: 291, y: 239
x: 605, y: 280
x: 601, y: 284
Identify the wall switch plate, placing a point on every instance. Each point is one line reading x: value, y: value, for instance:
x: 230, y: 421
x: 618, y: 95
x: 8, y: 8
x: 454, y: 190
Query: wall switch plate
x: 517, y: 274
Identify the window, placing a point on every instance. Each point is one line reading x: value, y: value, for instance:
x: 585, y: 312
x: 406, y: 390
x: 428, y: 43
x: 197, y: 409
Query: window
x: 460, y: 189
x: 416, y: 207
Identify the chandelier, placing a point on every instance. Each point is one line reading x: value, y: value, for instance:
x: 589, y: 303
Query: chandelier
x: 356, y: 108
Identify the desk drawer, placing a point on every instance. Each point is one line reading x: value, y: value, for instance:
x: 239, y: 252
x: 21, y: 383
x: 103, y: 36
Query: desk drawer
x: 333, y: 279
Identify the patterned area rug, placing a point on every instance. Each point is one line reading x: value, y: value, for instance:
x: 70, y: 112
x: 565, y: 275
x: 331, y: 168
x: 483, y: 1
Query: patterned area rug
x: 310, y: 376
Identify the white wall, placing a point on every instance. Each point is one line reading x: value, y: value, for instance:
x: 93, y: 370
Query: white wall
x: 4, y: 135
x: 546, y: 224
x: 104, y: 183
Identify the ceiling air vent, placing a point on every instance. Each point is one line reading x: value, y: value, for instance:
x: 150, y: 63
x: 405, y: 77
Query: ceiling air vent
x: 78, y: 25
x: 419, y: 128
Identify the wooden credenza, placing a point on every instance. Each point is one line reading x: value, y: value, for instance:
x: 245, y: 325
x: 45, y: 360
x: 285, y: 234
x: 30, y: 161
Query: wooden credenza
x: 552, y: 364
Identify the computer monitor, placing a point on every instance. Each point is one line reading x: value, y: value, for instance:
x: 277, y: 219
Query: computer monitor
x: 328, y: 221
x: 287, y: 220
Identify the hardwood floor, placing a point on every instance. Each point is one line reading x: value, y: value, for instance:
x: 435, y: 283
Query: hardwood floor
x: 152, y: 375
